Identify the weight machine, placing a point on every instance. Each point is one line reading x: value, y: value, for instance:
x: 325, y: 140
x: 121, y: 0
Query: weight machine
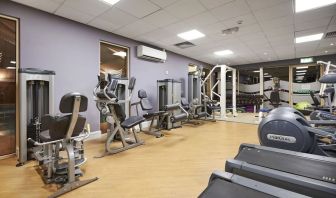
x: 222, y: 82
x: 322, y: 93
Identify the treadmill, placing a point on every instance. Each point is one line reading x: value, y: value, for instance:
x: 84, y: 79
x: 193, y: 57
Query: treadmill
x: 307, y: 174
x: 223, y: 184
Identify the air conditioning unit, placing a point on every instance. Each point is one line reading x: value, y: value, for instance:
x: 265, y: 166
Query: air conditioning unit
x: 152, y: 54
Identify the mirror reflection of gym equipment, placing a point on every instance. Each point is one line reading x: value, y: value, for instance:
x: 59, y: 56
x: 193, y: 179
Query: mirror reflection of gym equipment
x: 8, y: 75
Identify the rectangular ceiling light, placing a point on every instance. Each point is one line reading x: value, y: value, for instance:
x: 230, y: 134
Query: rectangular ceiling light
x: 191, y: 35
x: 223, y: 52
x: 304, y: 5
x: 313, y: 37
x: 302, y: 67
x: 301, y: 74
x: 110, y: 2
x: 10, y: 67
x: 256, y: 71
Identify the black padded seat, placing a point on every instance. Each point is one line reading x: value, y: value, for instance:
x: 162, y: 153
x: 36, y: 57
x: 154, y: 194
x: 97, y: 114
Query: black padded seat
x: 151, y: 114
x: 56, y: 127
x: 101, y: 95
x: 132, y: 121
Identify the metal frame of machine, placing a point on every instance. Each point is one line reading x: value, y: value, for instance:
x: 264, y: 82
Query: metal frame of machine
x: 222, y: 81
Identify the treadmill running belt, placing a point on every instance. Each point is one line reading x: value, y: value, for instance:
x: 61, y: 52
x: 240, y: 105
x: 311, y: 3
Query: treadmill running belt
x: 220, y: 188
x: 316, y: 169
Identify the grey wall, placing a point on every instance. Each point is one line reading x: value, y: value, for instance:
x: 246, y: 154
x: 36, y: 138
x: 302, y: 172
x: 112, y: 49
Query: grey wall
x: 72, y: 50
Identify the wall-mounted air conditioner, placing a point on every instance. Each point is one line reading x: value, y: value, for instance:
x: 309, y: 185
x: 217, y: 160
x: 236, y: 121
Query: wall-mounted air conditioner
x: 152, y: 54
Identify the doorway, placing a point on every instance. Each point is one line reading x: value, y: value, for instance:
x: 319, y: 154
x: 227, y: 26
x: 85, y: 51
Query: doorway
x: 8, y: 84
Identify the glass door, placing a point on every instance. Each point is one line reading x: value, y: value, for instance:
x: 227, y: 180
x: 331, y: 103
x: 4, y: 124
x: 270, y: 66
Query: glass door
x: 8, y: 84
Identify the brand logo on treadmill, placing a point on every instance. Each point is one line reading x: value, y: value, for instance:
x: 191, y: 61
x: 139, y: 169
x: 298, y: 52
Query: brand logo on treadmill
x: 281, y: 138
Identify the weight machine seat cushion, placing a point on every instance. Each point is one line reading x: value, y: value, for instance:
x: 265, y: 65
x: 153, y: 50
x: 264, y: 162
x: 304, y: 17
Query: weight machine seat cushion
x: 144, y: 102
x: 58, y: 127
x: 101, y: 95
x: 151, y: 114
x: 132, y: 121
x: 185, y: 104
x: 67, y: 102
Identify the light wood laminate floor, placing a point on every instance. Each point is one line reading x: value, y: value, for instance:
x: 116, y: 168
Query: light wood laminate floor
x: 176, y: 165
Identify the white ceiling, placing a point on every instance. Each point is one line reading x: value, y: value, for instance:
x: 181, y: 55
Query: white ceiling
x: 266, y: 34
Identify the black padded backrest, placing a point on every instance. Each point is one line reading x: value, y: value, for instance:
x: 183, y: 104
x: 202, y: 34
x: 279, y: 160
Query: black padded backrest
x: 142, y: 94
x: 184, y: 101
x: 314, y: 98
x: 144, y: 102
x: 113, y: 85
x: 275, y: 97
x: 59, y: 126
x: 131, y: 83
x: 67, y: 102
x: 120, y: 113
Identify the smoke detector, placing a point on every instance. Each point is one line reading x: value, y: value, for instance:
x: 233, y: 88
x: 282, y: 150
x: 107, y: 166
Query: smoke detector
x: 230, y: 31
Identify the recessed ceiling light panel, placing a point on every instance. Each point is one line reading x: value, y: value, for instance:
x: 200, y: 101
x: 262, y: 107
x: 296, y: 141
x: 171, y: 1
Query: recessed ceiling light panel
x: 313, y: 37
x: 191, y: 35
x: 223, y: 52
x: 110, y: 2
x: 304, y: 5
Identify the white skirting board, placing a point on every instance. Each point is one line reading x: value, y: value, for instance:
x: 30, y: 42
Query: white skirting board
x: 97, y: 134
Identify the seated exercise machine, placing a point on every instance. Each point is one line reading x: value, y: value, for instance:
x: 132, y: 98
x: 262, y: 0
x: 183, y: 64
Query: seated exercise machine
x: 107, y: 104
x: 307, y: 174
x: 324, y: 113
x: 149, y: 114
x: 195, y: 110
x: 63, y: 133
x: 224, y: 184
x: 287, y: 128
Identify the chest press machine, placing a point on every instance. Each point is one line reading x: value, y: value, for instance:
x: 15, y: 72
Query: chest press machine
x: 107, y: 103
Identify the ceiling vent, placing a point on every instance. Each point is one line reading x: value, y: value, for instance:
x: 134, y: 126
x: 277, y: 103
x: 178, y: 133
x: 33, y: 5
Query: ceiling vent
x: 330, y: 35
x: 184, y: 45
x: 230, y: 31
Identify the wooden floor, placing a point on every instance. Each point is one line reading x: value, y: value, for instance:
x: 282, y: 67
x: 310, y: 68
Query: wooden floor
x: 177, y: 165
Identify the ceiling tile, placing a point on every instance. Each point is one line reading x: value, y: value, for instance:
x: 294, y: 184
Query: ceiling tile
x: 214, y: 3
x: 179, y: 27
x: 261, y: 4
x: 280, y: 10
x: 163, y: 3
x: 185, y: 8
x: 250, y: 30
x: 93, y: 8
x: 156, y: 35
x: 277, y: 23
x: 247, y: 19
x: 279, y: 31
x: 73, y: 14
x: 160, y: 18
x: 138, y: 8
x: 230, y: 10
x: 113, y: 16
x: 306, y: 25
x: 134, y: 29
x: 204, y: 18
x: 45, y: 5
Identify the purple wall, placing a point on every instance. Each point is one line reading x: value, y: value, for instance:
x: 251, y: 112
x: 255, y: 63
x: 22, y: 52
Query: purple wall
x: 72, y: 50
